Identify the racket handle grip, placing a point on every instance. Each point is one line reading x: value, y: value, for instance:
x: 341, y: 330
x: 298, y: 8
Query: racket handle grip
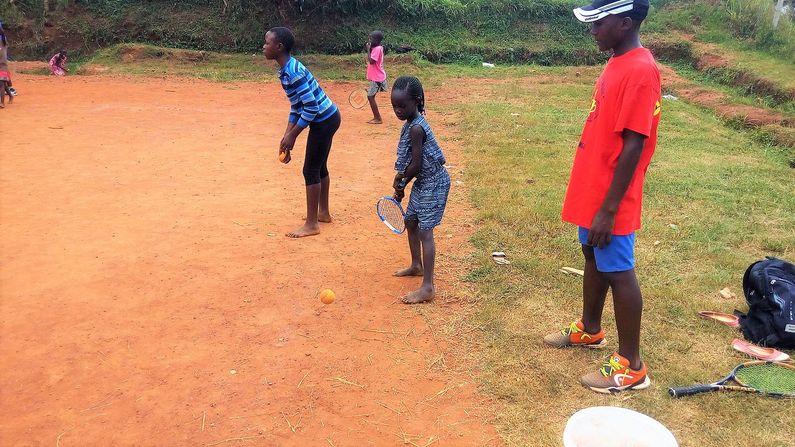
x: 690, y: 390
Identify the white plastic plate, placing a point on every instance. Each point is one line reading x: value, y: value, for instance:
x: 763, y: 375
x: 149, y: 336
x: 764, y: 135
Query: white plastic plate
x: 615, y: 427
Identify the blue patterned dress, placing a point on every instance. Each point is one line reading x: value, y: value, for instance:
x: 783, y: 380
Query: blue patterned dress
x: 432, y: 184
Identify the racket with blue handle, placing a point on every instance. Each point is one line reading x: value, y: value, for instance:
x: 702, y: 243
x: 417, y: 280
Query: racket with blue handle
x: 391, y: 214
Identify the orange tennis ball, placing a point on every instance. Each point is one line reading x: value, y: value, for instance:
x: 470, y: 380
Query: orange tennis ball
x: 327, y: 296
x: 282, y: 156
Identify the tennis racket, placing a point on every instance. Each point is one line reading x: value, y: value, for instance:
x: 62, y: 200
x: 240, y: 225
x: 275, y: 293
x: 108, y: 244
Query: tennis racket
x: 768, y: 378
x: 391, y: 214
x: 358, y: 98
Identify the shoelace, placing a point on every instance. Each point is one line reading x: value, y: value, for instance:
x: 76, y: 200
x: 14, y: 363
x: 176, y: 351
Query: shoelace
x: 610, y: 366
x: 568, y: 330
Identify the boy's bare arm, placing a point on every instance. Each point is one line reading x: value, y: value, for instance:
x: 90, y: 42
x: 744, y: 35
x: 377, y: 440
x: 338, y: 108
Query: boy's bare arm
x: 604, y: 221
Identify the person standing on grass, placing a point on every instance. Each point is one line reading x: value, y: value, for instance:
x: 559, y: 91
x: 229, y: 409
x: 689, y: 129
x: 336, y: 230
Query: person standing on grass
x: 606, y: 190
x: 5, y: 75
x: 309, y: 107
x: 375, y: 72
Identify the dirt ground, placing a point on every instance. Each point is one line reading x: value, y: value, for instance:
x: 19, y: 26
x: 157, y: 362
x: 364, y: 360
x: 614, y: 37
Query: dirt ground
x: 148, y: 295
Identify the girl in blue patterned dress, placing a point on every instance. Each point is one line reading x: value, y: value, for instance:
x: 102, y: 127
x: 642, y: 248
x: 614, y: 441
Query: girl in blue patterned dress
x: 419, y: 158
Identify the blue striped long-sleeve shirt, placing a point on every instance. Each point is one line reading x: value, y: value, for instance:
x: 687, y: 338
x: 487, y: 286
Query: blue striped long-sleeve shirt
x: 308, y: 102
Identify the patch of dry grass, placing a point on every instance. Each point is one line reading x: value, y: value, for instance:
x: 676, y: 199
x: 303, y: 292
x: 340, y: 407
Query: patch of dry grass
x: 730, y: 200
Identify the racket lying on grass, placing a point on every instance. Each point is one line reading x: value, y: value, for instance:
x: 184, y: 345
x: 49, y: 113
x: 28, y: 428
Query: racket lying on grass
x: 391, y: 214
x: 358, y: 98
x: 768, y: 378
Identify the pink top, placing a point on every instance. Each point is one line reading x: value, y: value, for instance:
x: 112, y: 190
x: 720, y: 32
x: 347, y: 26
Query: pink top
x: 375, y: 72
x: 57, y: 70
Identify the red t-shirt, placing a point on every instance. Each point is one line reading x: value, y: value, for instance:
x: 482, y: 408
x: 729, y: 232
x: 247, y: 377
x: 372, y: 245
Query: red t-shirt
x: 626, y: 96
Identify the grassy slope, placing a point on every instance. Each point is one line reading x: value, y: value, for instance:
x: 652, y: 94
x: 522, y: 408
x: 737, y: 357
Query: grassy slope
x: 542, y: 31
x: 739, y: 24
x: 737, y: 31
x: 730, y: 200
x: 736, y: 94
x: 773, y: 67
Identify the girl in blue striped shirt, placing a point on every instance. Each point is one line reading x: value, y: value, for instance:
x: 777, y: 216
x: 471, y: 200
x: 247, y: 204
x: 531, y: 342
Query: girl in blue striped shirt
x: 309, y: 107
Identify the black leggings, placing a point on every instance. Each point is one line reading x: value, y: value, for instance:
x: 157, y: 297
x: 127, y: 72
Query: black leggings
x: 318, y: 146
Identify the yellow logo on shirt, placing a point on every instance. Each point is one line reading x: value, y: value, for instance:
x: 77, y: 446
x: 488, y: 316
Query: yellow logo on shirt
x: 593, y: 105
x: 657, y: 108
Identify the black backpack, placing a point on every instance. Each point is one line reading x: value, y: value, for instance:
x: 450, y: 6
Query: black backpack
x: 769, y: 287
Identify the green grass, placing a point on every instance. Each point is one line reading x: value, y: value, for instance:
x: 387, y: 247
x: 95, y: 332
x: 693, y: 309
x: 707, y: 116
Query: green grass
x: 744, y: 24
x: 760, y: 59
x: 771, y: 67
x: 149, y: 60
x: 734, y: 94
x: 730, y: 199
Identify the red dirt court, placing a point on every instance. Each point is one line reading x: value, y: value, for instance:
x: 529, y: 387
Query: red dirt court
x: 149, y: 296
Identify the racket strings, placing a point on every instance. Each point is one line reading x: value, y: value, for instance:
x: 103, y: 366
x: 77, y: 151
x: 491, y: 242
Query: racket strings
x: 769, y: 377
x: 358, y: 98
x: 392, y: 214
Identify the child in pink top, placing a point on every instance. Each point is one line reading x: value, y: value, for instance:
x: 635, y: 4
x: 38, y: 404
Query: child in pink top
x: 5, y: 75
x: 58, y: 64
x: 375, y: 72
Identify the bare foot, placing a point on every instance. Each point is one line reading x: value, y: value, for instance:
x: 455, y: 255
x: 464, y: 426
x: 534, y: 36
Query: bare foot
x: 411, y: 271
x: 304, y: 231
x: 325, y: 218
x: 374, y: 121
x: 421, y: 295
x: 10, y: 99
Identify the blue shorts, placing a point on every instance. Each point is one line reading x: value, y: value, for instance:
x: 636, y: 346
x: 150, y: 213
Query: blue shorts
x: 617, y: 256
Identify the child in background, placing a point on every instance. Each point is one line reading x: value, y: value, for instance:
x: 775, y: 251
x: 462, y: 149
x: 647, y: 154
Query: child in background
x: 375, y: 72
x: 419, y: 157
x: 58, y: 64
x: 606, y: 190
x: 5, y: 75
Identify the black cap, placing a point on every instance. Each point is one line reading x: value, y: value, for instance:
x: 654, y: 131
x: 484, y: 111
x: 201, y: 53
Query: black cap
x: 599, y: 9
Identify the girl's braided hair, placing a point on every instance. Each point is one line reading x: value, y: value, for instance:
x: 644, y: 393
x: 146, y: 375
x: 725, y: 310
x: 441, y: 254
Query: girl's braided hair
x: 413, y: 87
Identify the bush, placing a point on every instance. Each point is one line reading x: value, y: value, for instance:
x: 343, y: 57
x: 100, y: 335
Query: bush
x: 542, y: 31
x: 753, y: 20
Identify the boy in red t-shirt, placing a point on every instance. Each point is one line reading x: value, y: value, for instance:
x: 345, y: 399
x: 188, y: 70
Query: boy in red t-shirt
x: 606, y: 190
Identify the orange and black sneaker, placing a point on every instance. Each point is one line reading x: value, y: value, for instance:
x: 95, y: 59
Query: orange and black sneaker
x: 575, y: 335
x: 615, y: 375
